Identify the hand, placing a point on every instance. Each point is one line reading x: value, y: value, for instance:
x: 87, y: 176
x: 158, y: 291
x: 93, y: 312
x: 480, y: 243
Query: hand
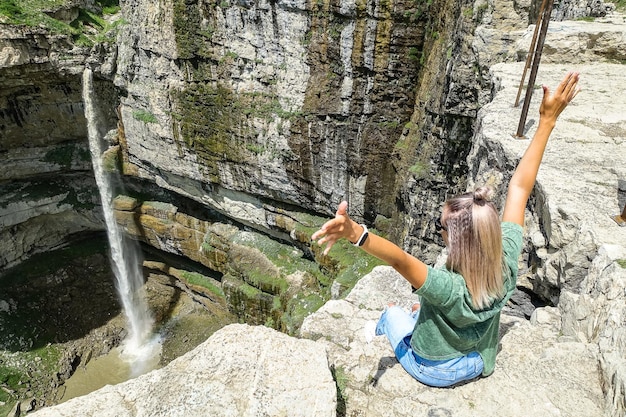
x: 553, y: 104
x: 339, y: 227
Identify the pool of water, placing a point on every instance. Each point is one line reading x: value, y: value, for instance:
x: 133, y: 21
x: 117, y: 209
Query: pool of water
x: 110, y: 369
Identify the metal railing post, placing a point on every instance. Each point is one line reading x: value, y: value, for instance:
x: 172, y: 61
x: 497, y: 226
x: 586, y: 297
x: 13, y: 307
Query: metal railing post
x: 531, y: 50
x: 545, y: 21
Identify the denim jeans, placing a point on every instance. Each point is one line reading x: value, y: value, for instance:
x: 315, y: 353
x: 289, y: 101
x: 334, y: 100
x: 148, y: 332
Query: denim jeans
x: 398, y: 326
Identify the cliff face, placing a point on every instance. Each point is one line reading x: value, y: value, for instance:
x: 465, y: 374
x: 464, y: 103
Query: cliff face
x: 250, y: 108
x: 282, y: 103
x: 48, y: 191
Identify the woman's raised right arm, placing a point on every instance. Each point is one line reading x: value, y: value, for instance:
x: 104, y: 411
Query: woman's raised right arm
x: 523, y: 180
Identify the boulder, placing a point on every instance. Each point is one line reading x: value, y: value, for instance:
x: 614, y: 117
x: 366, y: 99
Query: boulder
x: 241, y: 370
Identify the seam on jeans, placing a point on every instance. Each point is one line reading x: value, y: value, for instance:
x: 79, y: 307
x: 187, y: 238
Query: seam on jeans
x: 437, y: 373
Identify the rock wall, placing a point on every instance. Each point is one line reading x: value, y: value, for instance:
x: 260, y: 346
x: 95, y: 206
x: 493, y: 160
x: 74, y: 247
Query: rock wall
x: 261, y: 102
x: 47, y: 191
x: 261, y: 281
x: 255, y: 371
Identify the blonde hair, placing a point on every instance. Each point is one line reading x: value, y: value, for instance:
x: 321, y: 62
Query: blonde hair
x: 475, y: 244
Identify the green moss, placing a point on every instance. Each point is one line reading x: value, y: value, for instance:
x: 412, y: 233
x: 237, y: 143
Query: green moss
x: 622, y: 263
x: 419, y: 169
x: 62, y: 155
x: 111, y: 161
x: 348, y: 264
x: 268, y: 283
x: 341, y: 381
x: 29, y: 371
x: 81, y: 198
x: 11, y: 9
x: 10, y: 378
x: 49, y: 188
x: 206, y: 116
x: 144, y: 116
x: 255, y: 148
x: 109, y: 6
x: 188, y: 30
x: 287, y: 258
x: 298, y: 308
x: 308, y: 224
x: 249, y: 291
x: 194, y: 278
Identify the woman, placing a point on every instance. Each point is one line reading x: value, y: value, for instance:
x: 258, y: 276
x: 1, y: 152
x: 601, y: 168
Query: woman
x: 454, y: 337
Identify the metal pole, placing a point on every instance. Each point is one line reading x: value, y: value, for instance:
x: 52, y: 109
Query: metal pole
x: 545, y: 21
x: 531, y: 51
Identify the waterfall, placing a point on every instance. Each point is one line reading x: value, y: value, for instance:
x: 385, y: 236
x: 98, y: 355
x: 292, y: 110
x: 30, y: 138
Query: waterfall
x: 140, y: 347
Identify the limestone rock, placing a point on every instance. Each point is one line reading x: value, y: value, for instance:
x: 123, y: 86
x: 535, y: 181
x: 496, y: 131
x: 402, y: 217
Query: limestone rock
x: 241, y: 370
x: 37, y: 214
x: 576, y: 42
x: 537, y: 371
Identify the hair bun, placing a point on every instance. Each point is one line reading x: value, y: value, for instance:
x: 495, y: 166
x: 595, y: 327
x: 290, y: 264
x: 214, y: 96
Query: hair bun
x: 482, y: 195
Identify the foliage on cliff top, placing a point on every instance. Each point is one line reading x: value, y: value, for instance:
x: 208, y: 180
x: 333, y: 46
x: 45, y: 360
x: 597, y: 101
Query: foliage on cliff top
x: 87, y: 28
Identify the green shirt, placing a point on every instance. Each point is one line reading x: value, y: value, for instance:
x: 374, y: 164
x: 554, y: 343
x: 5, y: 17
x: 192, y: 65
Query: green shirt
x: 448, y: 326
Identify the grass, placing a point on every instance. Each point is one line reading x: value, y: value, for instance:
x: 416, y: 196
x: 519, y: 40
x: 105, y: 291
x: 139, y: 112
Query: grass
x: 620, y: 4
x: 26, y: 372
x: 86, y: 30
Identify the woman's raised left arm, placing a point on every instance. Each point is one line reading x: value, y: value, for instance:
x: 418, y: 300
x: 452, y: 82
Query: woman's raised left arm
x: 342, y: 226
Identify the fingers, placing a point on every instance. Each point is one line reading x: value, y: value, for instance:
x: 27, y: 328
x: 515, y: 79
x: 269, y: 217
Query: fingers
x: 330, y: 245
x: 332, y: 230
x: 569, y: 86
x: 322, y: 231
x: 342, y: 210
x: 328, y: 240
x: 553, y: 104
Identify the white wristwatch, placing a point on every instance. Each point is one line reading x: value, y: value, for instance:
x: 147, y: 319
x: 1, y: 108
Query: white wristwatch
x: 361, y: 240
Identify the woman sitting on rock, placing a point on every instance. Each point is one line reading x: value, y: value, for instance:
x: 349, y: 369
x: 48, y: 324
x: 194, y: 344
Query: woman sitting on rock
x: 454, y: 337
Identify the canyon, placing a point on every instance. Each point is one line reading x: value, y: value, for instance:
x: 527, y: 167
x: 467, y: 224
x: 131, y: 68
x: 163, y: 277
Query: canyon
x: 238, y: 127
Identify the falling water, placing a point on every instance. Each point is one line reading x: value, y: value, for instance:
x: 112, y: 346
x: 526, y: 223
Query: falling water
x: 140, y: 347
